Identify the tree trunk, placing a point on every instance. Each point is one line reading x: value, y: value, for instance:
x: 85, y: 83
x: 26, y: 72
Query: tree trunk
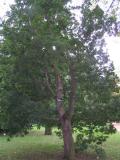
x: 69, y: 151
x: 48, y: 130
x: 65, y: 119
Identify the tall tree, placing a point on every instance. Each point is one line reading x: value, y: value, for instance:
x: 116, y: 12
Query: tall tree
x: 56, y: 58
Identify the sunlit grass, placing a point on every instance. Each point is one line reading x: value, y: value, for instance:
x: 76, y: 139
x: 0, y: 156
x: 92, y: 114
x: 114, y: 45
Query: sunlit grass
x: 36, y: 146
x: 112, y: 147
x: 33, y: 143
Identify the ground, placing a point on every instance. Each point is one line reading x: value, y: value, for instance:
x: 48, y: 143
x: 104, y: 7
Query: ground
x: 36, y: 146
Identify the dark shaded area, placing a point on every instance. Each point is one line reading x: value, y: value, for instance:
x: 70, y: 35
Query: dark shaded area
x: 56, y: 156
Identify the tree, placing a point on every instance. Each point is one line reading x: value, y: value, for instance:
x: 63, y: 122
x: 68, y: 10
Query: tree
x: 56, y: 58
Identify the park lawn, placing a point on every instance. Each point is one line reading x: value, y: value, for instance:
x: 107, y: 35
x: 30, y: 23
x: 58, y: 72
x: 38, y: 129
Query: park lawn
x: 30, y: 147
x: 112, y: 147
x: 36, y: 146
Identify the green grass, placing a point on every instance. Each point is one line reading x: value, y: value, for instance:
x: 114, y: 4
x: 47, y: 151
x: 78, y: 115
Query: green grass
x: 36, y: 146
x: 112, y: 147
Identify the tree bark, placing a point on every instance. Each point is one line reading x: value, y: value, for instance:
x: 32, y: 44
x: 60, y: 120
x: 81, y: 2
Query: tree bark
x: 65, y: 119
x: 69, y: 151
x: 48, y: 130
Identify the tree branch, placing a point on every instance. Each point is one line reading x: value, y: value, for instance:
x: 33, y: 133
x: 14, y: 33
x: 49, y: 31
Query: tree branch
x: 48, y: 82
x: 111, y: 5
x: 73, y: 91
x: 59, y: 96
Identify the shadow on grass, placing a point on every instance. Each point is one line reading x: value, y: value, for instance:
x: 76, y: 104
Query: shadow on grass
x: 58, y: 155
x: 41, y: 156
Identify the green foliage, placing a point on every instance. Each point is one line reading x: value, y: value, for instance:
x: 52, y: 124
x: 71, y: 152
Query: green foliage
x: 59, y: 133
x: 101, y: 155
x: 88, y: 135
x: 40, y: 34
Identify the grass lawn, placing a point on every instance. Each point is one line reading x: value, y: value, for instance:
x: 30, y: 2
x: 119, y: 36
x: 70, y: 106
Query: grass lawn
x: 112, y: 147
x: 31, y: 147
x: 36, y: 146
